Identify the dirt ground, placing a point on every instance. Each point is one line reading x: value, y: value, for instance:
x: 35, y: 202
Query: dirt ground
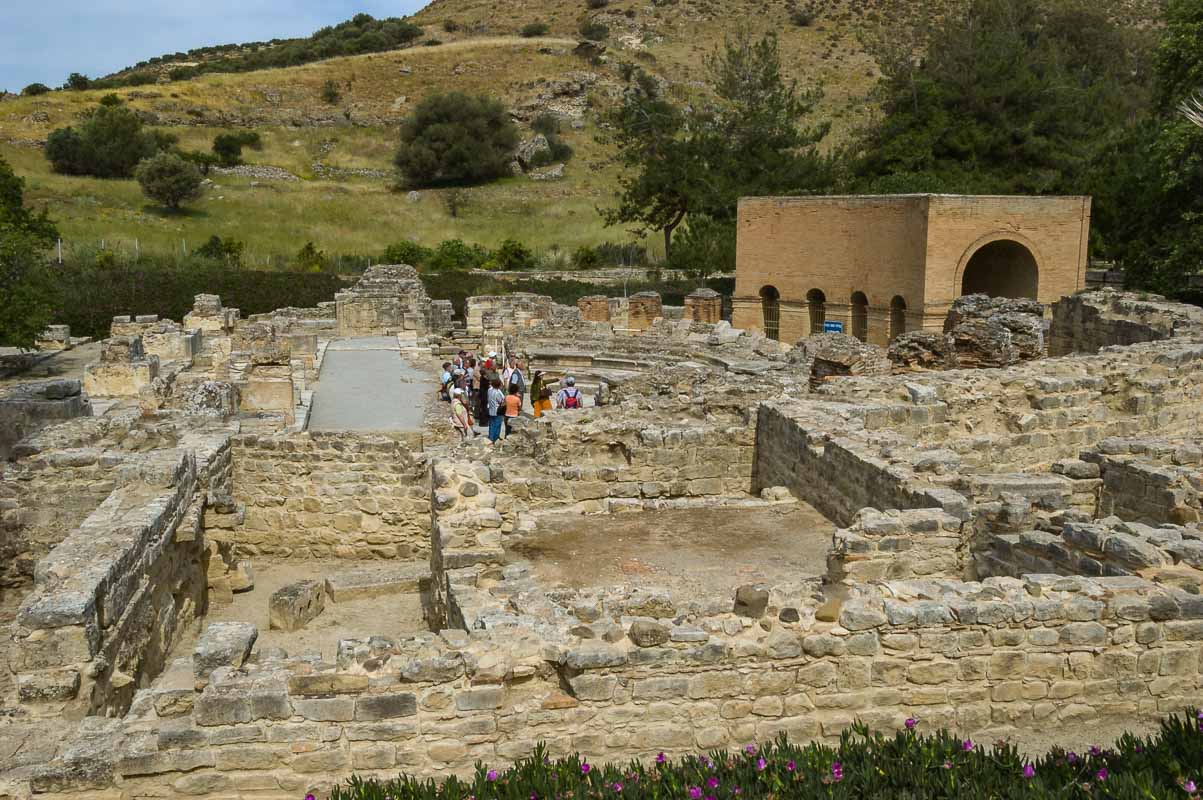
x: 711, y: 550
x: 395, y: 615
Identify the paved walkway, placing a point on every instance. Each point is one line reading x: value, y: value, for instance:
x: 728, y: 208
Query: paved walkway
x: 365, y: 386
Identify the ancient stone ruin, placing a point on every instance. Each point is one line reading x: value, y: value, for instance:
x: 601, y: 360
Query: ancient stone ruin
x: 736, y: 538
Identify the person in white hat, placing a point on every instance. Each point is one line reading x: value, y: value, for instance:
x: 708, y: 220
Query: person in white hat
x: 461, y: 419
x: 570, y: 396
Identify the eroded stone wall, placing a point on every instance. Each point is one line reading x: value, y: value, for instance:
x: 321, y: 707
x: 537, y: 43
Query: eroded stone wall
x: 331, y: 494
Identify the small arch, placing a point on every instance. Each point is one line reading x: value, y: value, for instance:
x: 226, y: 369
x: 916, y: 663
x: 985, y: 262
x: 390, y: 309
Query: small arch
x: 897, y: 316
x: 1001, y: 268
x: 816, y: 302
x: 860, y: 316
x: 770, y: 306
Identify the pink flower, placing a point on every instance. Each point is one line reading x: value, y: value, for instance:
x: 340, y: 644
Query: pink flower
x: 712, y: 782
x: 947, y: 765
x: 837, y: 772
x: 789, y: 766
x: 1189, y: 787
x: 585, y: 768
x: 1101, y: 774
x: 618, y: 787
x: 967, y: 745
x: 1095, y: 751
x: 1029, y: 771
x: 660, y: 758
x: 1071, y: 757
x: 491, y: 775
x: 750, y: 749
x: 695, y: 792
x: 310, y: 797
x: 911, y: 722
x: 761, y: 764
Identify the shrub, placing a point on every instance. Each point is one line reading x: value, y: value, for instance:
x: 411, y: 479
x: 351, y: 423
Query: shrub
x: 35, y: 89
x: 330, y: 93
x: 77, y: 82
x: 454, y: 254
x: 594, y: 31
x: 406, y: 252
x: 203, y: 161
x: 455, y: 138
x: 432, y: 42
x: 532, y: 29
x: 596, y: 4
x: 309, y: 259
x: 450, y: 25
x: 558, y: 150
x: 513, y: 255
x: 585, y: 257
x: 109, y: 143
x: 227, y: 251
x: 168, y: 179
x: 228, y: 146
x: 182, y: 73
x: 802, y: 17
x: 546, y: 123
x: 862, y: 765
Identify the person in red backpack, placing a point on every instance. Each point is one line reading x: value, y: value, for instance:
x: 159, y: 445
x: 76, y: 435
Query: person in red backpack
x: 570, y: 396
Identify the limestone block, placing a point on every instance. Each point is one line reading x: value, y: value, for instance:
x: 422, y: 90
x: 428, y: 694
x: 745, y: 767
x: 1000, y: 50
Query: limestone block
x: 292, y: 607
x: 751, y: 601
x: 375, y: 582
x: 223, y: 644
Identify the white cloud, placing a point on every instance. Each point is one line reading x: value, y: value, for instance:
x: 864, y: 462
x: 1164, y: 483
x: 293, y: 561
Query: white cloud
x: 47, y: 40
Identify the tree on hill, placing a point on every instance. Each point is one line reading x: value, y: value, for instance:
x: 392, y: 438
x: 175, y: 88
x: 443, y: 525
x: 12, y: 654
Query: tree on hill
x: 1010, y: 96
x: 749, y: 139
x: 109, y: 143
x: 27, y: 289
x: 35, y: 89
x: 455, y: 138
x: 168, y: 179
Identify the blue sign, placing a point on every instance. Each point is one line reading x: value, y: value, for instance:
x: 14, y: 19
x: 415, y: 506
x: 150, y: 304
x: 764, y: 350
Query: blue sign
x: 830, y: 326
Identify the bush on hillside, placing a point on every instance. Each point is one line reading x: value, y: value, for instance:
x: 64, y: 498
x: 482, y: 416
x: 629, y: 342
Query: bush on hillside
x: 455, y: 138
x: 309, y: 259
x: 77, y: 82
x: 168, y: 179
x: 532, y: 29
x: 226, y: 251
x: 109, y: 143
x: 203, y: 161
x: 863, y: 765
x: 450, y: 25
x: 228, y: 146
x: 455, y: 254
x: 35, y: 89
x: 330, y: 93
x: 802, y: 17
x: 557, y: 149
x: 596, y: 4
x: 512, y: 255
x: 406, y: 252
x: 594, y: 31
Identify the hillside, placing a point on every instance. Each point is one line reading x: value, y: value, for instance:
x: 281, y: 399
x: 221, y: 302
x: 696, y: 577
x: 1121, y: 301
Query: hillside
x: 332, y: 182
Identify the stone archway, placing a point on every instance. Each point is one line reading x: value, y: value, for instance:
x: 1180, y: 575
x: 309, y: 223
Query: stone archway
x: 860, y: 316
x: 897, y: 316
x: 816, y: 303
x: 1001, y: 268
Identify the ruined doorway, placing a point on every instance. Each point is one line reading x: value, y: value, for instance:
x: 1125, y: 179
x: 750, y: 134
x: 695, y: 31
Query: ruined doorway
x: 816, y: 302
x: 1003, y: 268
x: 770, y: 304
x: 860, y: 316
x: 897, y: 317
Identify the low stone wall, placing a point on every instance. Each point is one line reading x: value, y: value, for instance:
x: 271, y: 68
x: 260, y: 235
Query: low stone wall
x: 112, y: 599
x: 28, y: 407
x: 490, y: 315
x: 1155, y: 481
x: 1088, y: 322
x: 331, y: 494
x: 897, y: 545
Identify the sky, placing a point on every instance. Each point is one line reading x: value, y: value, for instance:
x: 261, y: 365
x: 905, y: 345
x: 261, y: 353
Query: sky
x: 45, y: 40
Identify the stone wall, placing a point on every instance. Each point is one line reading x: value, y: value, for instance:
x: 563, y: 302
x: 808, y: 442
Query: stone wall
x: 898, y: 545
x: 703, y: 305
x: 163, y: 338
x: 387, y: 300
x: 29, y: 407
x: 124, y: 369
x: 331, y: 494
x: 594, y: 308
x: 112, y: 599
x: 1155, y: 481
x: 1088, y: 322
x: 492, y: 315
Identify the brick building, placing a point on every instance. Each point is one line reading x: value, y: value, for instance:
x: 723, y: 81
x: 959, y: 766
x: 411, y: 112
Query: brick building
x: 876, y: 266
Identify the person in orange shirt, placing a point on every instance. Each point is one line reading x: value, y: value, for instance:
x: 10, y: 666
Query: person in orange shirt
x: 513, y: 406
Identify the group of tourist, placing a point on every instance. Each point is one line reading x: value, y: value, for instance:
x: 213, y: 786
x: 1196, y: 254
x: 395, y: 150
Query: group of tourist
x: 490, y: 392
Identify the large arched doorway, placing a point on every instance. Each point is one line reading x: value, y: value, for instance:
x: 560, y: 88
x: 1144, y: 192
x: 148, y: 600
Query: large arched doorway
x: 897, y: 316
x: 860, y: 316
x: 1003, y: 268
x: 816, y: 302
x: 770, y: 305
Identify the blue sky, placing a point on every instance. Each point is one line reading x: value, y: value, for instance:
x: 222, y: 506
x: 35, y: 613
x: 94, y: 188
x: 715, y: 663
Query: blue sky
x: 45, y: 40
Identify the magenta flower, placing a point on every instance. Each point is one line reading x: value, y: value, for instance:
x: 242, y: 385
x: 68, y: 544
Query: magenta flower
x: 712, y: 782
x: 1071, y: 757
x: 947, y: 765
x: 837, y: 771
x: 710, y: 797
x: 618, y: 787
x: 695, y: 792
x: 534, y: 796
x: 967, y: 745
x: 750, y: 749
x: 1029, y: 771
x: 310, y: 797
x: 1095, y: 751
x: 1101, y: 774
x: 911, y: 722
x: 491, y: 775
x: 1189, y: 786
x: 585, y: 768
x: 761, y: 764
x: 789, y: 766
x: 660, y: 758
x: 737, y: 790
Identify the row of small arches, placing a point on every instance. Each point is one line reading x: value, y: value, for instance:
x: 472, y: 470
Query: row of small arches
x: 816, y: 303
